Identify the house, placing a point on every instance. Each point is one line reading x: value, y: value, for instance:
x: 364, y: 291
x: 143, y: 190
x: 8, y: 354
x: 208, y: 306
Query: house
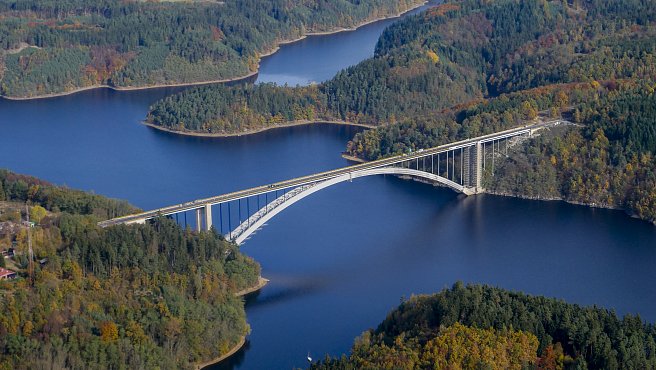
x: 8, y: 252
x: 7, y: 274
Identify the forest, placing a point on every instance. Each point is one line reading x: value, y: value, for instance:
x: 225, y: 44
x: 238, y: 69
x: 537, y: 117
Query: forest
x: 452, y: 54
x: 127, y: 297
x: 228, y: 114
x: 610, y: 162
x: 482, y: 327
x: 54, y: 46
x: 467, y: 68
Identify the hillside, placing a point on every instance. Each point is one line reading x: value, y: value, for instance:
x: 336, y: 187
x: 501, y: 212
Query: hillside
x: 57, y: 46
x: 467, y: 68
x: 481, y: 327
x: 449, y: 55
x: 140, y: 296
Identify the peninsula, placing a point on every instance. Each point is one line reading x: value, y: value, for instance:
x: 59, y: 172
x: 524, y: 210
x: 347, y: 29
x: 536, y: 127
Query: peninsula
x: 479, y: 326
x: 467, y: 68
x: 141, y: 296
x: 52, y: 48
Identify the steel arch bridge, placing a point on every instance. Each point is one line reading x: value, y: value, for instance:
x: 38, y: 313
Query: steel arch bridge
x: 458, y: 165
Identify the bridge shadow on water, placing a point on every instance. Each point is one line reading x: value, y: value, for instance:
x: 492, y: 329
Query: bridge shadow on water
x: 396, y: 238
x: 280, y: 290
x: 283, y: 288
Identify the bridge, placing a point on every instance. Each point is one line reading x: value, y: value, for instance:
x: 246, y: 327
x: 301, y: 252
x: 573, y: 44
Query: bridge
x: 459, y: 166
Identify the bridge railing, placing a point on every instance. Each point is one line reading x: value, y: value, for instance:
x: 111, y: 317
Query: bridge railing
x: 310, y: 179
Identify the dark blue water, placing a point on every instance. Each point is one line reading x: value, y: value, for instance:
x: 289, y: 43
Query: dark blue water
x: 342, y: 258
x: 319, y: 58
x: 93, y: 141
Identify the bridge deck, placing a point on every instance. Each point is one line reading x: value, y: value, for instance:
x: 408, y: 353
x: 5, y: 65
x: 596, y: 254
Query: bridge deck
x: 299, y: 181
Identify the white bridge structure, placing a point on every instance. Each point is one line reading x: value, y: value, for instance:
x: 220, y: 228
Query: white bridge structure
x: 459, y: 166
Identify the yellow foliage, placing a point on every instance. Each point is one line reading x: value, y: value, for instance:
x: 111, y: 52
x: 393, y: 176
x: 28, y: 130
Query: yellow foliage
x: 108, y: 331
x: 562, y: 100
x: 529, y: 110
x: 37, y: 213
x: 27, y: 328
x: 135, y: 332
x: 433, y: 56
x: 163, y: 309
x: 553, y: 112
x: 71, y: 270
x: 92, y: 307
x: 462, y: 347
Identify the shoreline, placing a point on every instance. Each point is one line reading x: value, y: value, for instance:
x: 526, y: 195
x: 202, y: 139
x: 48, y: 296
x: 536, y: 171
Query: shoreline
x: 130, y: 88
x: 257, y: 130
x: 261, y: 282
x: 556, y: 199
x: 353, y: 159
x: 520, y: 196
x: 561, y: 199
x: 339, y: 30
x: 225, y: 80
x: 224, y: 356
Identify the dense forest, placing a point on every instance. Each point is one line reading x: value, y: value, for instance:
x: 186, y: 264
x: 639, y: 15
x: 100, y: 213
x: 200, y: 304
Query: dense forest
x: 53, y: 46
x: 608, y: 161
x: 451, y: 54
x: 611, y: 162
x: 227, y: 112
x: 481, y: 327
x: 467, y: 68
x: 127, y: 297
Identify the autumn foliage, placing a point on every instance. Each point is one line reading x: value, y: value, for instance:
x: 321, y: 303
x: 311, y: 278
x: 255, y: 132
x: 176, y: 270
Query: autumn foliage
x: 147, y: 296
x: 481, y: 327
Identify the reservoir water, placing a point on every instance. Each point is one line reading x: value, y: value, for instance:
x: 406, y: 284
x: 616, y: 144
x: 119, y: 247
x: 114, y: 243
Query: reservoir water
x: 342, y: 258
x: 319, y: 58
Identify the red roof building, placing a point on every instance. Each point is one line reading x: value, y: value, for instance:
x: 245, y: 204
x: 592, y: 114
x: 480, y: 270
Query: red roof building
x: 7, y: 274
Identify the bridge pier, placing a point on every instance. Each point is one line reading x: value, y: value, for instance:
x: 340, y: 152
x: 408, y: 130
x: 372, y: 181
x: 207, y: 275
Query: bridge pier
x: 469, y: 180
x: 199, y: 219
x: 478, y: 167
x: 204, y: 218
x: 473, y: 169
x: 208, y: 217
x: 467, y: 167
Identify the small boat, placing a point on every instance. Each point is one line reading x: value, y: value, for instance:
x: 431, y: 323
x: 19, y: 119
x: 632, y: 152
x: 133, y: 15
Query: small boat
x: 309, y: 358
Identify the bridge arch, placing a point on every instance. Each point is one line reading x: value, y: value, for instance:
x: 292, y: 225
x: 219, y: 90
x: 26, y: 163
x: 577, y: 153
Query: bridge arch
x: 473, y: 153
x: 249, y: 226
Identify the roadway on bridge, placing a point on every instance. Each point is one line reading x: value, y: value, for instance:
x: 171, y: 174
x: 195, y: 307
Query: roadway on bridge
x: 292, y: 183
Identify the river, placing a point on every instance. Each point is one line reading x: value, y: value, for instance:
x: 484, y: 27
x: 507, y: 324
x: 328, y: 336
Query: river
x: 342, y: 258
